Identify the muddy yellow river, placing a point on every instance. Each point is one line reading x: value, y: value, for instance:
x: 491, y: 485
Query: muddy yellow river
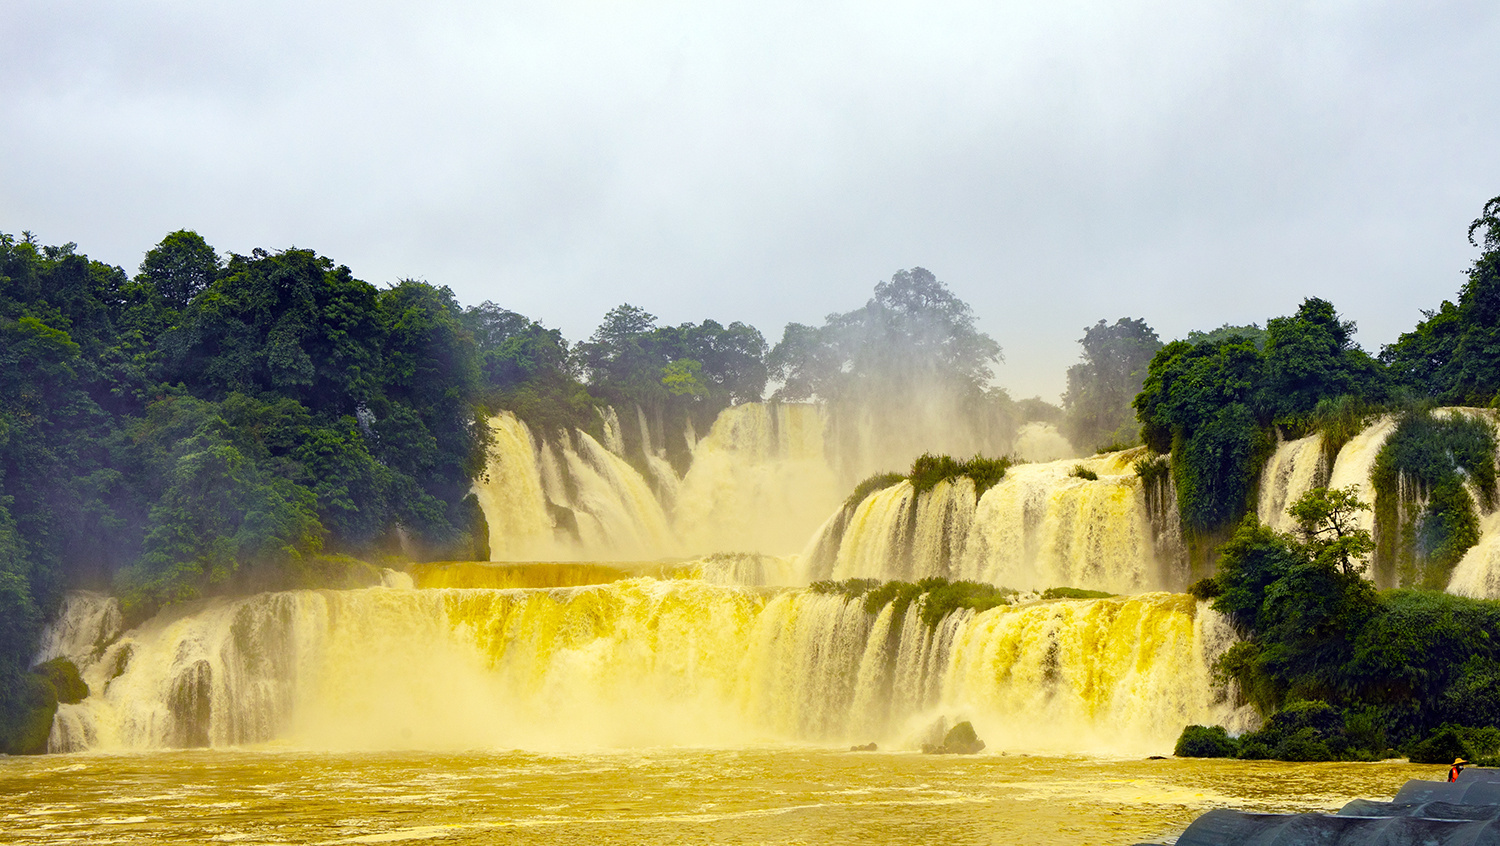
x: 780, y: 795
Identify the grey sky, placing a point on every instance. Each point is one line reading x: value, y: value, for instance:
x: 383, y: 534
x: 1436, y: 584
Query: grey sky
x: 1189, y: 163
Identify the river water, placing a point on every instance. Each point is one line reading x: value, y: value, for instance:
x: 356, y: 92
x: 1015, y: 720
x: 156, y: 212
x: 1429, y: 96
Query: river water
x: 771, y: 795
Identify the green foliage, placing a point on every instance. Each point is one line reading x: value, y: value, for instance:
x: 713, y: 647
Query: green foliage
x: 1081, y: 472
x: 1205, y: 742
x: 913, y: 336
x: 872, y: 484
x: 1338, y: 420
x: 31, y: 703
x: 1205, y: 589
x: 928, y: 469
x: 943, y: 598
x: 66, y: 683
x: 1251, y: 334
x: 1212, y: 400
x: 1326, y: 527
x: 940, y: 596
x: 1453, y: 356
x: 1477, y: 745
x: 1074, y: 593
x: 529, y: 369
x: 1196, y: 403
x: 1426, y: 516
x: 679, y: 373
x: 1310, y: 357
x: 1102, y: 385
x: 1300, y: 612
x: 1302, y: 731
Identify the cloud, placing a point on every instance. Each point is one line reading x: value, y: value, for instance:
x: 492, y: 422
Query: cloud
x: 1055, y: 163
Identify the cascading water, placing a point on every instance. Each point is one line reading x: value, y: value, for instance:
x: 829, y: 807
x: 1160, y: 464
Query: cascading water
x: 511, y: 496
x: 1294, y: 469
x: 759, y: 481
x: 637, y: 662
x: 1355, y: 463
x: 1041, y: 526
x: 611, y: 511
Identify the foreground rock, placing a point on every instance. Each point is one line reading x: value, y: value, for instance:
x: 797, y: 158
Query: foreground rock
x: 1430, y: 813
x: 960, y: 740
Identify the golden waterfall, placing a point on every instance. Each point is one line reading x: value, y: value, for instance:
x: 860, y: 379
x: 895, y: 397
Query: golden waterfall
x: 636, y: 662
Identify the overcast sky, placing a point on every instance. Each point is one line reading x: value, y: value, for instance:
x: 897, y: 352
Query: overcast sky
x: 1053, y: 162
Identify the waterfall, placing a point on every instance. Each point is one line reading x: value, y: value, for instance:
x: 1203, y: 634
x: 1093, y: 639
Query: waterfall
x: 607, y: 509
x: 636, y: 662
x: 1356, y: 461
x: 759, y: 481
x: 1294, y: 469
x: 510, y: 494
x: 1041, y: 526
x: 1477, y: 574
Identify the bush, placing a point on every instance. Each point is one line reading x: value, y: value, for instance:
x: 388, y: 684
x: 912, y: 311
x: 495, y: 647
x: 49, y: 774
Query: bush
x: 942, y: 597
x: 1206, y: 589
x: 873, y: 484
x: 1081, y: 472
x: 930, y: 469
x: 40, y: 692
x: 1075, y: 593
x: 1302, y: 731
x: 1205, y: 742
x: 1478, y: 745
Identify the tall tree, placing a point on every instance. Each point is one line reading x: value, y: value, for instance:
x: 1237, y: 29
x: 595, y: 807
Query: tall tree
x: 1102, y: 385
x: 1453, y: 355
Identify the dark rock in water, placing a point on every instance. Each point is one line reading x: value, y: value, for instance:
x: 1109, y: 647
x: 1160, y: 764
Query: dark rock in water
x: 960, y: 740
x: 868, y: 747
x: 191, y: 705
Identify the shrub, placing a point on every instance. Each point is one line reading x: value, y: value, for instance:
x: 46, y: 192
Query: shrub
x: 873, y: 484
x: 1479, y: 745
x: 1205, y: 589
x: 1074, y: 593
x: 1302, y: 731
x: 930, y: 469
x: 1205, y: 742
x: 1081, y: 472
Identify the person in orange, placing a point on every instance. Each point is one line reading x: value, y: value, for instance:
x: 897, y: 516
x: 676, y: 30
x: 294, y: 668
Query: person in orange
x: 1458, y: 767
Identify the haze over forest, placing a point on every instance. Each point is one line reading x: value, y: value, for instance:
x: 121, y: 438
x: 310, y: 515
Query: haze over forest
x: 769, y: 163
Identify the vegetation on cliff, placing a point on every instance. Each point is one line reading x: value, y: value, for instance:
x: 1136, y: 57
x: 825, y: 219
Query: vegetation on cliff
x: 1341, y: 670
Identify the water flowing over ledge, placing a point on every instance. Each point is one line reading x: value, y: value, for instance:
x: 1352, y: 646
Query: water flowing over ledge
x: 1041, y: 526
x: 638, y: 662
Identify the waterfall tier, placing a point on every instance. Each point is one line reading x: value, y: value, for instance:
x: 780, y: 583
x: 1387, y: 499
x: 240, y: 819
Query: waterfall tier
x: 637, y: 662
x: 1043, y: 525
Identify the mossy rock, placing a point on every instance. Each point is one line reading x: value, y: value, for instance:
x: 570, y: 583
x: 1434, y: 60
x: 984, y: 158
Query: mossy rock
x: 63, y: 675
x: 26, y: 731
x: 960, y: 740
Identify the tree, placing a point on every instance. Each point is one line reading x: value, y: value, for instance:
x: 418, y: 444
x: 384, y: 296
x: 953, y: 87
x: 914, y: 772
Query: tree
x: 1326, y: 527
x: 914, y: 337
x: 1196, y: 404
x: 1310, y: 357
x: 179, y: 268
x: 1102, y: 385
x: 1453, y: 355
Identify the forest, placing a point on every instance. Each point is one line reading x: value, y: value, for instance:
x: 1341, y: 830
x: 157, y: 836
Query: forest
x: 225, y: 423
